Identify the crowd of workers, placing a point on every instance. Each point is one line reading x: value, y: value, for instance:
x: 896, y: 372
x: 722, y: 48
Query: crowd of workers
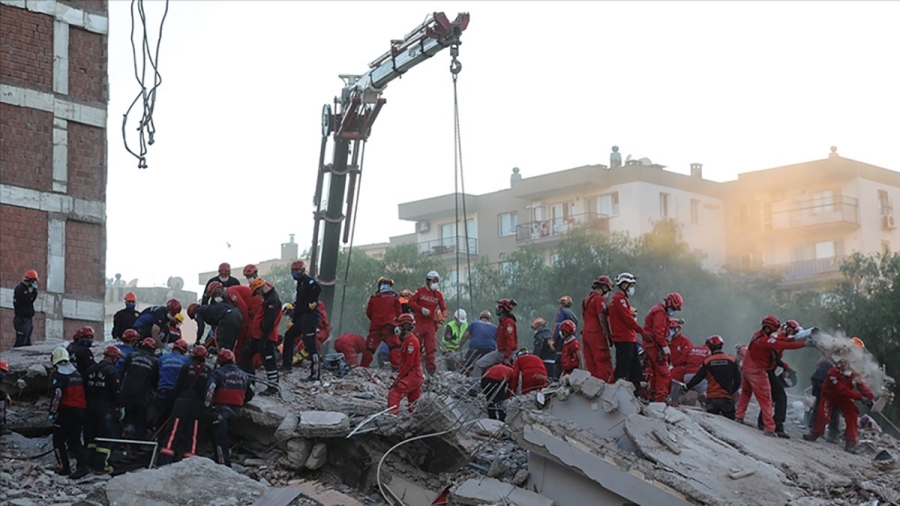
x: 152, y: 365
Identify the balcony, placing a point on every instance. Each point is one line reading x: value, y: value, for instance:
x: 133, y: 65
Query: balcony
x: 552, y: 230
x: 837, y: 211
x: 449, y: 246
x: 808, y: 269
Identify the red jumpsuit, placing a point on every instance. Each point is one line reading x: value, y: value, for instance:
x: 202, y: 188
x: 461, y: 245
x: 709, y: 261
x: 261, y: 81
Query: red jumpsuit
x: 410, y: 378
x: 695, y: 359
x: 656, y: 333
x: 351, y: 345
x: 838, y: 392
x: 597, y: 356
x: 754, y: 379
x: 507, y: 336
x: 533, y: 372
x: 569, y: 360
x: 382, y: 309
x: 681, y: 346
x: 433, y: 301
x: 240, y: 297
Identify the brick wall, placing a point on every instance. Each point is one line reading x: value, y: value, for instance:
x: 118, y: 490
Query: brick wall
x: 26, y: 147
x: 8, y: 335
x: 87, y: 162
x: 87, y: 65
x: 70, y: 326
x: 26, y: 48
x: 23, y: 245
x: 85, y: 254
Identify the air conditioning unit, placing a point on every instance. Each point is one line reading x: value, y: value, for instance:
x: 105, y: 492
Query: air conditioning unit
x: 888, y: 222
x: 423, y: 227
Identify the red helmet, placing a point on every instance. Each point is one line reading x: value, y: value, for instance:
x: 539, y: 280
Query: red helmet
x: 507, y: 304
x: 226, y: 356
x: 4, y: 366
x: 130, y: 297
x: 383, y: 279
x: 298, y: 265
x: 565, y: 300
x: 674, y: 301
x: 791, y: 327
x: 603, y: 281
x: 149, y: 342
x: 213, y: 287
x: 675, y: 323
x: 714, y: 342
x: 31, y: 274
x: 567, y: 327
x: 130, y: 336
x: 250, y: 270
x: 85, y: 331
x: 173, y: 306
x: 771, y: 322
x: 180, y: 345
x: 112, y: 351
x: 405, y: 318
x: 225, y: 269
x: 200, y: 351
x: 192, y: 309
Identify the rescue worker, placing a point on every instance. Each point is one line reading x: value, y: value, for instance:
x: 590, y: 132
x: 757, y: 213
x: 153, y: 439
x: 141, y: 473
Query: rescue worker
x: 305, y: 319
x: 507, y: 340
x: 495, y: 387
x: 102, y: 392
x: 842, y: 386
x: 693, y: 363
x: 170, y: 366
x: 382, y: 310
x: 242, y: 298
x: 323, y: 333
x: 124, y: 318
x: 453, y: 333
x: 562, y: 314
x: 228, y: 390
x: 129, y: 339
x: 789, y: 330
x: 158, y: 316
x: 408, y: 382
x: 264, y: 334
x: 351, y: 345
x: 482, y: 338
x: 427, y: 302
x: 382, y: 355
x: 224, y: 278
x: 67, y: 409
x: 181, y: 435
x: 5, y: 399
x: 174, y: 332
x: 681, y: 346
x: 656, y: 344
x: 140, y: 374
x: 624, y: 330
x: 405, y: 294
x: 528, y: 372
x: 250, y: 273
x: 595, y: 333
x: 723, y: 378
x: 80, y: 350
x: 754, y: 380
x: 572, y: 358
x: 225, y: 318
x: 543, y: 344
x: 24, y: 295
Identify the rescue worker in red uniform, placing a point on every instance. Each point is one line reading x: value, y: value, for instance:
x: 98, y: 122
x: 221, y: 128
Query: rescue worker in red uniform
x: 410, y: 377
x: 351, y: 345
x: 694, y: 362
x: 624, y: 330
x: 789, y: 330
x: 242, y: 298
x: 572, y: 358
x: 681, y: 346
x: 67, y: 410
x: 495, y: 386
x: 755, y: 381
x: 842, y: 386
x: 427, y: 302
x: 179, y: 440
x: 723, y: 378
x: 507, y: 341
x: 250, y: 273
x: 529, y: 372
x: 264, y: 334
x: 382, y: 310
x: 228, y: 390
x: 595, y: 333
x: 656, y: 344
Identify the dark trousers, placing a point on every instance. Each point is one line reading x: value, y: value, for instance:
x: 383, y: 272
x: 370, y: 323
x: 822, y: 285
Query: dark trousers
x: 779, y: 401
x: 496, y: 392
x: 67, y: 438
x: 136, y: 416
x: 227, y: 330
x: 165, y: 399
x: 266, y: 348
x: 179, y: 439
x: 305, y: 327
x: 24, y: 327
x: 102, y: 421
x: 221, y: 416
x: 721, y: 406
x: 628, y: 365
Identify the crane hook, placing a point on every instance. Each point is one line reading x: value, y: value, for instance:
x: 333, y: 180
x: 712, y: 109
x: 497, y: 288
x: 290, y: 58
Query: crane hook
x: 455, y: 64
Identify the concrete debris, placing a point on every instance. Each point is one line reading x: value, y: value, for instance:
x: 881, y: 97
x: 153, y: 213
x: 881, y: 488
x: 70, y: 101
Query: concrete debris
x: 323, y: 495
x: 488, y: 427
x: 323, y: 424
x: 317, y: 457
x: 490, y: 491
x: 31, y: 364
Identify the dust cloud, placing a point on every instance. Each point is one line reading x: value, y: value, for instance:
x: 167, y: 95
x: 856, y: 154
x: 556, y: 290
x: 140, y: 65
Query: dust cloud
x: 838, y: 346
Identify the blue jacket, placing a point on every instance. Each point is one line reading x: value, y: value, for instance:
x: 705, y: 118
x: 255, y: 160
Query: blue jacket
x: 482, y: 335
x: 562, y: 315
x: 157, y: 315
x: 126, y: 350
x: 383, y: 348
x: 170, y: 365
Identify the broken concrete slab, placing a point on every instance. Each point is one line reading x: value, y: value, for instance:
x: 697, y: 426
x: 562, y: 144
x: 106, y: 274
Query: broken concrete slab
x: 297, y: 452
x: 317, y: 457
x: 490, y: 491
x: 488, y: 427
x: 325, y: 496
x: 411, y: 493
x: 265, y: 412
x: 31, y: 364
x: 323, y: 424
x: 286, y: 430
x: 604, y: 415
x: 194, y: 481
x: 351, y: 406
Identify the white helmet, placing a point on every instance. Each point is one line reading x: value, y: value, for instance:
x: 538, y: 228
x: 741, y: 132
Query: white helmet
x: 433, y: 275
x: 461, y: 314
x: 625, y: 277
x: 59, y: 356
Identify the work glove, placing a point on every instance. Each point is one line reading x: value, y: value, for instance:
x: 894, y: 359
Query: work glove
x: 52, y: 419
x: 868, y: 402
x: 684, y: 388
x: 121, y: 414
x: 313, y: 305
x: 426, y: 311
x: 666, y: 350
x: 8, y: 400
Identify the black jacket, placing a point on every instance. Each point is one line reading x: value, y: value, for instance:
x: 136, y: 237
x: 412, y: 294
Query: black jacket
x: 102, y: 386
x: 192, y: 381
x: 308, y: 291
x: 140, y: 375
x: 81, y: 355
x: 211, y: 314
x: 23, y: 300
x: 122, y: 321
x: 231, y: 281
x: 542, y: 346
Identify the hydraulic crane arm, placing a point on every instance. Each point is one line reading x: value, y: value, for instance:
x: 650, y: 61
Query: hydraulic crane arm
x: 356, y: 110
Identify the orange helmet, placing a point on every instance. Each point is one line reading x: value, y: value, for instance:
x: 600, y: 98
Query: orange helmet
x: 405, y: 318
x: 406, y: 293
x: 180, y: 345
x: 112, y: 351
x: 537, y: 322
x: 192, y: 309
x: 31, y: 274
x: 674, y: 301
x: 256, y: 284
x: 772, y: 322
x: 859, y: 343
x: 226, y: 356
x: 565, y: 300
x: 130, y: 297
x: 200, y: 351
x: 213, y: 287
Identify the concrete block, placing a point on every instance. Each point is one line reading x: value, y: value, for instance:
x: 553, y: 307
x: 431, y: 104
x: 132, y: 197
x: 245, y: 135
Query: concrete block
x: 14, y: 3
x: 490, y: 491
x: 592, y: 387
x: 96, y: 24
x: 69, y: 15
x: 323, y: 495
x: 575, y: 379
x: 286, y: 430
x: 42, y: 6
x: 317, y: 457
x: 488, y: 427
x: 60, y: 57
x: 323, y: 424
x: 297, y: 452
x: 56, y: 256
x: 91, y: 211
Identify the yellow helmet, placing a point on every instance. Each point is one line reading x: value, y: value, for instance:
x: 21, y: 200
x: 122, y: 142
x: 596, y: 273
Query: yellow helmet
x: 180, y: 318
x: 59, y: 355
x: 859, y: 343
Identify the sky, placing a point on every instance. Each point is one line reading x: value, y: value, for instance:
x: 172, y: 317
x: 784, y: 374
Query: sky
x: 545, y: 86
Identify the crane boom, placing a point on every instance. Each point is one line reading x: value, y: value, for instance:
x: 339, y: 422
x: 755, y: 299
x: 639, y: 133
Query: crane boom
x: 351, y: 123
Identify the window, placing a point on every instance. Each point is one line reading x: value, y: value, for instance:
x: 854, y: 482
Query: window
x: 805, y: 252
x: 506, y: 270
x: 450, y: 238
x: 509, y: 222
x: 538, y: 213
x: 823, y: 202
x: 886, y: 247
x: 695, y: 211
x: 608, y: 204
x: 664, y: 204
x: 768, y: 257
x: 556, y: 215
x: 884, y: 202
x: 825, y: 249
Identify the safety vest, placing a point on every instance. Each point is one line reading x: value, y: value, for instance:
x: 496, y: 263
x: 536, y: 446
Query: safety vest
x: 457, y: 332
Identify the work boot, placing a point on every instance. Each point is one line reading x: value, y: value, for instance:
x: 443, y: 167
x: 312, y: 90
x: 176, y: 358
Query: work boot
x: 850, y: 448
x: 81, y: 472
x: 832, y: 438
x: 739, y: 420
x: 769, y: 434
x: 63, y: 472
x: 269, y: 392
x: 782, y: 435
x: 810, y: 437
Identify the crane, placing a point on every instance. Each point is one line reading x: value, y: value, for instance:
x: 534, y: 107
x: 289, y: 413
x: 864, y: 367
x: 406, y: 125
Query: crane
x: 350, y: 123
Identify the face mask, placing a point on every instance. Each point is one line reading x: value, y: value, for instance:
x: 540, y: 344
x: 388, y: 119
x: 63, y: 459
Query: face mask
x: 250, y: 279
x: 297, y: 275
x: 384, y: 287
x: 218, y: 299
x: 670, y: 311
x: 671, y: 333
x: 34, y: 285
x: 848, y: 373
x: 223, y: 278
x: 433, y: 286
x: 630, y: 291
x: 129, y: 305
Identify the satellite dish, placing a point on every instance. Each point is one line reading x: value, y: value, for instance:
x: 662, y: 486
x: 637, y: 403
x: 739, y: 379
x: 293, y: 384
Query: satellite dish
x: 175, y: 283
x: 628, y: 158
x: 646, y: 161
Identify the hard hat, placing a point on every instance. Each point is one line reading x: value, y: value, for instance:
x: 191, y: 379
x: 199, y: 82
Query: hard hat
x: 250, y: 270
x: 460, y: 314
x: 130, y: 336
x: 383, y: 280
x: 173, y: 306
x: 192, y: 308
x: 675, y: 323
x: 200, y: 351
x: 85, y: 331
x: 625, y: 277
x: 406, y: 293
x: 179, y: 318
x: 859, y: 343
x: 130, y: 297
x: 674, y: 301
x: 433, y: 275
x: 31, y: 274
x: 149, y: 342
x: 4, y: 366
x: 225, y: 269
x: 567, y: 326
x: 602, y: 281
x: 112, y: 351
x: 537, y: 322
x: 256, y: 284
x: 213, y: 287
x: 226, y: 356
x: 59, y: 356
x: 521, y: 352
x: 771, y: 321
x: 485, y: 315
x: 715, y: 342
x: 180, y: 345
x: 793, y: 326
x: 507, y: 304
x: 287, y: 309
x: 405, y: 318
x: 565, y: 300
x: 298, y: 265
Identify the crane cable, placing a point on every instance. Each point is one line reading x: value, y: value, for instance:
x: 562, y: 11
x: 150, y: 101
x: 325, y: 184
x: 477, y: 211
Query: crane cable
x: 362, y: 160
x: 459, y: 185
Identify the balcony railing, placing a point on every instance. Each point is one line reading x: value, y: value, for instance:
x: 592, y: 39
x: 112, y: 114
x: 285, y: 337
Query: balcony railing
x: 537, y: 230
x: 837, y: 209
x: 449, y: 246
x: 806, y: 269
